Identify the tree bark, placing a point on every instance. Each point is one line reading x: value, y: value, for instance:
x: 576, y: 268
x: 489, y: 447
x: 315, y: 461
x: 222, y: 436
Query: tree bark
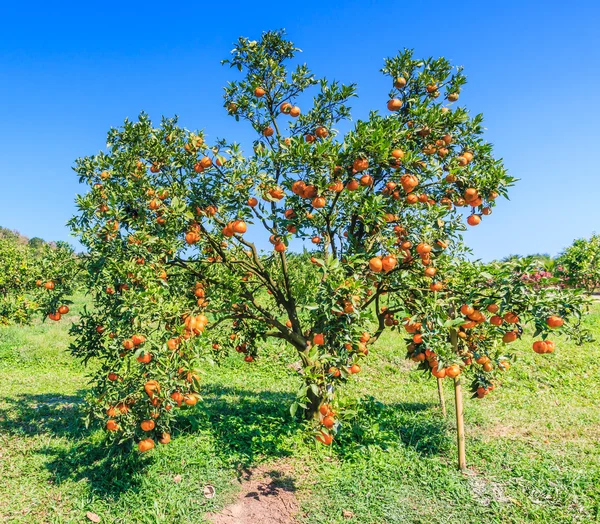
x: 313, y: 403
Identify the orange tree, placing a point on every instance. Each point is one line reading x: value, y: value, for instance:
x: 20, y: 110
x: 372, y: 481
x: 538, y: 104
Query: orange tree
x: 579, y: 265
x: 34, y: 279
x: 463, y: 327
x: 170, y: 224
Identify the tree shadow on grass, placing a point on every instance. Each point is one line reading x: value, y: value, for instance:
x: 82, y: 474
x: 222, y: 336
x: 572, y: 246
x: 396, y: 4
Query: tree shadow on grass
x: 49, y: 413
x: 253, y: 426
x: 247, y: 427
x: 412, y: 424
x: 74, y: 454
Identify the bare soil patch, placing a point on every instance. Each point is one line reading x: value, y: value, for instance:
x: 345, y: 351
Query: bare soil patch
x: 267, y: 496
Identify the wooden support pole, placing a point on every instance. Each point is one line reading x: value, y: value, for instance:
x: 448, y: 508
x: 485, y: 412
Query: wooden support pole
x: 460, y: 425
x: 458, y: 400
x: 441, y: 396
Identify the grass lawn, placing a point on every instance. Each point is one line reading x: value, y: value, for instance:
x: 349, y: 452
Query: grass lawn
x: 533, y: 444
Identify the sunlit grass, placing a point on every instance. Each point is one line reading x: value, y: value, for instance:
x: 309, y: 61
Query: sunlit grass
x: 533, y: 443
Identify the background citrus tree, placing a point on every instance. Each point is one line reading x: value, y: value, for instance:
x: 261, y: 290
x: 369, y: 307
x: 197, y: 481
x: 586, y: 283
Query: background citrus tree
x: 579, y: 265
x: 168, y: 219
x: 35, y: 278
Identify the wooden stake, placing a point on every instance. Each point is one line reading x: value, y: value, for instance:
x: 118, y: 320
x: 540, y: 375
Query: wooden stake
x: 460, y: 420
x: 441, y: 396
x: 460, y: 425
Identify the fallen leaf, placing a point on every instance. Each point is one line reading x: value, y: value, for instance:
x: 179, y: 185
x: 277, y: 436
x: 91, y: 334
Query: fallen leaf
x: 177, y: 479
x: 347, y: 514
x: 209, y: 491
x: 92, y: 516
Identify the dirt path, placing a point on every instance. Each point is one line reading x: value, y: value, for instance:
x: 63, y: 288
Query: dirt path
x: 266, y: 497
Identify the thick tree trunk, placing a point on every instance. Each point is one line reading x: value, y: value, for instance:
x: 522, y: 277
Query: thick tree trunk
x: 312, y: 405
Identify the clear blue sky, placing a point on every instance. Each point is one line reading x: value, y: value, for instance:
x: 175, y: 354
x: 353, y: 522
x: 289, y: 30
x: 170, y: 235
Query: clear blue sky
x: 68, y: 74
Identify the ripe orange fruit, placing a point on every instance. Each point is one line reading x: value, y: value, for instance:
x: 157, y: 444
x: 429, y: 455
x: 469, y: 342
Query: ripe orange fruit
x: 352, y: 185
x: 177, y: 397
x: 334, y: 371
x: 354, y: 368
x: 400, y: 82
x: 395, y: 104
x: 147, y: 425
x: 321, y: 132
x: 473, y: 220
x: 553, y: 321
x: 503, y: 365
x: 438, y: 373
x: 324, y: 438
x: 295, y: 111
x: 543, y: 346
x: 409, y: 182
x: 496, y: 320
x: 268, y: 131
x: 239, y: 226
x: 138, y: 340
x: 511, y: 318
x: 128, y: 344
x: 509, y: 337
x: 398, y: 154
x: 276, y: 193
x: 430, y: 272
x: 423, y: 248
x: 493, y: 308
x: 487, y: 367
x: 259, y: 91
x: 366, y: 180
x: 319, y: 339
x: 111, y: 425
x: 144, y: 358
x: 280, y: 247
x: 328, y: 422
x: 324, y: 409
x: 252, y: 202
x: 360, y: 164
x: 389, y: 262
x: 145, y: 445
x: 54, y: 316
x: 318, y: 202
x: 467, y: 310
x: 49, y: 285
x: 286, y: 107
x: 376, y: 264
x: 336, y: 186
x: 190, y: 400
x: 453, y: 371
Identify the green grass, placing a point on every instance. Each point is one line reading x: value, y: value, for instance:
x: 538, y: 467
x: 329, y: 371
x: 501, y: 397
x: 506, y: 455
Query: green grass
x: 533, y: 444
